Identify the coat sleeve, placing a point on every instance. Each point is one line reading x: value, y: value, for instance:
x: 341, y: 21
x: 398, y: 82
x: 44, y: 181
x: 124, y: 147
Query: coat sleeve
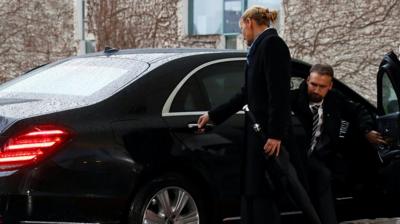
x: 224, y: 111
x: 277, y: 73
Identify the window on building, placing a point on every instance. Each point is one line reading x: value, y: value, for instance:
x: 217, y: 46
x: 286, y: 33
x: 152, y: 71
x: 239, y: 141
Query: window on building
x: 206, y: 17
x: 231, y: 41
x: 271, y: 4
x: 210, y: 17
x: 232, y: 13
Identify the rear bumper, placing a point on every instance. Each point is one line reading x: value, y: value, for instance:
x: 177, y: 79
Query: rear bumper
x: 56, y: 209
x: 21, y: 203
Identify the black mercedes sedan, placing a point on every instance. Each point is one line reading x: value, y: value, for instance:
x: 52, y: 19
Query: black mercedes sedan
x: 111, y: 137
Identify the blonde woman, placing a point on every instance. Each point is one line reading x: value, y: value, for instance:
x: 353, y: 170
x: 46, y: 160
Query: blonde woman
x: 266, y: 92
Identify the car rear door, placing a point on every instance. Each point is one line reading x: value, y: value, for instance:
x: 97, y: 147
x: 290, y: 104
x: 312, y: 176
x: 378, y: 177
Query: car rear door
x: 219, y: 148
x: 388, y: 120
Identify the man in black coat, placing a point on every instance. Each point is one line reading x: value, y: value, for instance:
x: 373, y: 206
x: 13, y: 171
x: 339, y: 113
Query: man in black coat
x: 266, y: 92
x: 321, y: 111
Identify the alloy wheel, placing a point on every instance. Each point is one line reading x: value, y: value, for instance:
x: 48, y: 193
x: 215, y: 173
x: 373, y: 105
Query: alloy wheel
x: 171, y: 205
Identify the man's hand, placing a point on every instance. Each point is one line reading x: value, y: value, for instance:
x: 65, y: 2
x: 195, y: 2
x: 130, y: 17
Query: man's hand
x: 272, y: 147
x: 202, y: 121
x: 375, y: 138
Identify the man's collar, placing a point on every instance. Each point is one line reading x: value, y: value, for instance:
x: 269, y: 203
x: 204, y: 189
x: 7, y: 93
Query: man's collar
x: 316, y: 103
x: 257, y: 41
x: 261, y: 36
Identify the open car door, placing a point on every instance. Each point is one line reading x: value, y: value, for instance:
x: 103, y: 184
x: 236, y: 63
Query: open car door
x: 388, y: 120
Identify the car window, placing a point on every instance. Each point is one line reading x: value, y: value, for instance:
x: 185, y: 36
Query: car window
x: 189, y: 98
x: 210, y: 87
x: 389, y: 98
x: 76, y: 77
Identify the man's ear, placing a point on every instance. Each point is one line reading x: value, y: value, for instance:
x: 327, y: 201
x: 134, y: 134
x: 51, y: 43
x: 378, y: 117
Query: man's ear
x: 331, y: 85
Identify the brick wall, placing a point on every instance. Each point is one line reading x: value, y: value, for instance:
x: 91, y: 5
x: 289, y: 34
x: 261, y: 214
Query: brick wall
x: 37, y: 32
x: 351, y: 35
x: 34, y: 32
x: 138, y: 24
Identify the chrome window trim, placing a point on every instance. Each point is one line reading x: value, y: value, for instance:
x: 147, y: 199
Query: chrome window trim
x: 191, y: 113
x: 237, y: 218
x: 230, y: 219
x: 55, y: 222
x: 167, y: 105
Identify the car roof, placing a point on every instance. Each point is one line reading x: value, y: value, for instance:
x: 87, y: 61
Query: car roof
x: 162, y: 55
x: 152, y: 55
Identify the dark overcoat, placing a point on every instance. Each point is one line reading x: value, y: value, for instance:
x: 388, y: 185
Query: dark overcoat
x: 266, y: 92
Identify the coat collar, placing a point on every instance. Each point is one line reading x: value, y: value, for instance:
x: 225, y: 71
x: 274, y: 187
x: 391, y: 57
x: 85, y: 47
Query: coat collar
x: 258, y: 40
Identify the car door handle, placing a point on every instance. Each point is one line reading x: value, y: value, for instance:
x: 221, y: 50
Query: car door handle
x: 196, y: 126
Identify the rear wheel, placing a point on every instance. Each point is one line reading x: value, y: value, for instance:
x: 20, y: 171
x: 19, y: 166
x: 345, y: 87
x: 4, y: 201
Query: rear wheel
x: 168, y: 200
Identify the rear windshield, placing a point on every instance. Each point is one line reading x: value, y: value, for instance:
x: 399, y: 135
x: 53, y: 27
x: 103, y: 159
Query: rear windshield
x: 82, y: 77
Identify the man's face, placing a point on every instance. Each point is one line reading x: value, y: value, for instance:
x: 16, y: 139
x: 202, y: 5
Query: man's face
x: 318, y: 86
x: 246, y: 26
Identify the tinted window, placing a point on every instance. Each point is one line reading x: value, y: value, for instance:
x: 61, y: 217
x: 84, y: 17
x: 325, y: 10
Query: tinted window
x: 210, y: 87
x: 76, y: 77
x: 389, y: 98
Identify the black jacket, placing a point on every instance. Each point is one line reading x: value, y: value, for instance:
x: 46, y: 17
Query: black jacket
x: 266, y: 91
x: 267, y: 86
x: 336, y: 110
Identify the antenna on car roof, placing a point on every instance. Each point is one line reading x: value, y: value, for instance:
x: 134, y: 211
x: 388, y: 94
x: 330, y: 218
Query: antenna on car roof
x: 110, y: 50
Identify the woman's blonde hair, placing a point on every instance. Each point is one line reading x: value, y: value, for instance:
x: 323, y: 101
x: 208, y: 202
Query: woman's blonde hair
x: 260, y: 14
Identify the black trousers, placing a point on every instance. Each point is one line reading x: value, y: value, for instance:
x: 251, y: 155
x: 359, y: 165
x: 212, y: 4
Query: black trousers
x: 320, y: 179
x: 262, y: 209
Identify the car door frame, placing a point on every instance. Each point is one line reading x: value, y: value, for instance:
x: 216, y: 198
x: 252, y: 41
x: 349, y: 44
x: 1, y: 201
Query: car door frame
x: 389, y: 122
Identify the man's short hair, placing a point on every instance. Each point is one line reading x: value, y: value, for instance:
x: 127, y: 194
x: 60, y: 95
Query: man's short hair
x: 322, y: 69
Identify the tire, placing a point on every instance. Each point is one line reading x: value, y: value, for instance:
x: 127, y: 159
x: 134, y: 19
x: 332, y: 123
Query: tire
x: 169, y: 199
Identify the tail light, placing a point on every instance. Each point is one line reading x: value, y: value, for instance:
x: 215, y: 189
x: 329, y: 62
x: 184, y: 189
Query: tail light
x: 31, y: 145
